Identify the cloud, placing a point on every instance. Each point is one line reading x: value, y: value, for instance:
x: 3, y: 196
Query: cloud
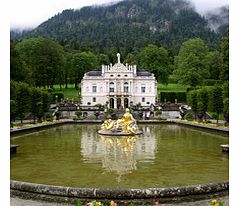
x: 202, y: 6
x: 29, y: 13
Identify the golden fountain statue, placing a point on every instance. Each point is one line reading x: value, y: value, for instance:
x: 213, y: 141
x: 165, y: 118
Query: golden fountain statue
x: 123, y: 126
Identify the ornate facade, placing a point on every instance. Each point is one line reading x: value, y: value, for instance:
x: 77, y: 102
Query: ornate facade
x: 119, y: 85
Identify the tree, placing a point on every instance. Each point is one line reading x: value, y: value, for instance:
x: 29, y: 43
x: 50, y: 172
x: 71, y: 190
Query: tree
x: 155, y: 59
x: 103, y: 59
x: 192, y: 62
x: 216, y: 101
x: 132, y: 58
x: 81, y: 63
x: 193, y: 101
x: 13, y: 110
x: 18, y: 68
x: 215, y: 63
x: 46, y: 100
x: 224, y: 50
x: 225, y: 88
x: 36, y: 102
x: 23, y: 100
x: 68, y: 69
x: 13, y: 89
x: 45, y: 58
x: 203, y: 99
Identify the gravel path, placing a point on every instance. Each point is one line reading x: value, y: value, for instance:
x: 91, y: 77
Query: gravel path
x: 21, y: 202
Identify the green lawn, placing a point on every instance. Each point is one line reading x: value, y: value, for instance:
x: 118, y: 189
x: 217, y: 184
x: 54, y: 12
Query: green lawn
x: 172, y: 88
x: 69, y: 93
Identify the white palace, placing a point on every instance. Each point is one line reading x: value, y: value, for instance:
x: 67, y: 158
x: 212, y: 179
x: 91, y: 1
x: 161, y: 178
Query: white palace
x: 119, y: 85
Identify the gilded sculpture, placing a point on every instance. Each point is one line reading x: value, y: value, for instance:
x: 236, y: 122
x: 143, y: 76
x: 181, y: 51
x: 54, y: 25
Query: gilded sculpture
x: 126, y: 124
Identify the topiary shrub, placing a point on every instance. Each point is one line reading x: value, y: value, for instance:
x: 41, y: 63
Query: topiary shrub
x: 189, y: 116
x: 78, y: 114
x: 48, y: 116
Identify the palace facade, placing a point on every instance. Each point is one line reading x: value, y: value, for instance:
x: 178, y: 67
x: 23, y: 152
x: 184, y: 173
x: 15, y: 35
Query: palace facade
x: 119, y: 86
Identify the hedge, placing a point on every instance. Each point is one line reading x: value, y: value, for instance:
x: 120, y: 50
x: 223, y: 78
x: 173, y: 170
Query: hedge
x: 59, y: 97
x: 171, y: 96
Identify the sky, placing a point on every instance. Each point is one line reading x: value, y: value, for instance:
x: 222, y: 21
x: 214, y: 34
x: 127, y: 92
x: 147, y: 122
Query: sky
x: 31, y: 13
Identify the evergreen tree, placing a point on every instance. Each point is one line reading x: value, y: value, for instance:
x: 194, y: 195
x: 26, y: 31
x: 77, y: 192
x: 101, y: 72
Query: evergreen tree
x: 36, y: 102
x: 224, y: 50
x: 193, y: 102
x: 203, y: 99
x: 23, y: 100
x: 216, y: 101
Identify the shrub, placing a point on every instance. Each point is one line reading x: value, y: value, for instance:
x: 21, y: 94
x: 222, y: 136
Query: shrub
x: 189, y: 116
x: 212, y: 82
x: 48, y: 116
x: 110, y: 111
x: 192, y: 100
x: 78, y: 114
x: 59, y: 96
x: 216, y: 101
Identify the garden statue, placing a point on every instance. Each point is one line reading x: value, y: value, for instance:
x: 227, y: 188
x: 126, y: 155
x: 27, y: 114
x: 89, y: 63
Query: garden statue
x: 123, y: 126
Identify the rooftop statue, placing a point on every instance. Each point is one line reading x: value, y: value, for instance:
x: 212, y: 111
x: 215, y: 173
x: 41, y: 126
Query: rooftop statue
x: 118, y: 56
x: 123, y: 126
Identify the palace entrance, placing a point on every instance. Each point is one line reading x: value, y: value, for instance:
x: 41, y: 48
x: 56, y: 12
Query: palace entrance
x: 118, y: 103
x: 126, y: 103
x: 112, y: 105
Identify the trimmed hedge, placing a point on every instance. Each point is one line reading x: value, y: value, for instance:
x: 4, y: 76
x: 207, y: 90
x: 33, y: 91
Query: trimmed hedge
x: 212, y: 82
x: 171, y: 96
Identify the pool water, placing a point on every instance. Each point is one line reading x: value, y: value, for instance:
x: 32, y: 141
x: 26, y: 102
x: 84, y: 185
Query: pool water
x: 74, y: 155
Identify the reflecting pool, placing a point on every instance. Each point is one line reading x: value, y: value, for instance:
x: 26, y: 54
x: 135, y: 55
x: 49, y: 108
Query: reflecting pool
x: 75, y: 155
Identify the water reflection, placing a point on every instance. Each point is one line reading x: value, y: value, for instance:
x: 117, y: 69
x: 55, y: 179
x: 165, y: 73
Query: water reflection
x: 76, y: 156
x: 119, y: 155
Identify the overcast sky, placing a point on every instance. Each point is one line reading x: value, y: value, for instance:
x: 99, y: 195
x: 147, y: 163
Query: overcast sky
x: 31, y: 13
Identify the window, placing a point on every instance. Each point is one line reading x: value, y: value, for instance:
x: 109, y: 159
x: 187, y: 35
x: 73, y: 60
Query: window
x: 126, y: 75
x: 126, y: 87
x: 112, y: 87
x: 94, y: 89
x: 143, y: 99
x: 118, y: 75
x: 94, y: 99
x: 143, y: 88
x: 111, y: 75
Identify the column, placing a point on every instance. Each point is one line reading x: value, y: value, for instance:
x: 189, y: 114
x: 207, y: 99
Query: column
x: 115, y: 102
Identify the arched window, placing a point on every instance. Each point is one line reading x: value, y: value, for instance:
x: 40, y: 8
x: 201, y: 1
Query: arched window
x: 126, y: 87
x: 112, y: 87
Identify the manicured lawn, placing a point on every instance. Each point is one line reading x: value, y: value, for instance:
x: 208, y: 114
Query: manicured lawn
x: 69, y: 93
x: 172, y: 88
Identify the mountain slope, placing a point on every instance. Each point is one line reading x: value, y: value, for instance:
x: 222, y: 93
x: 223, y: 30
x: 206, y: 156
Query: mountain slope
x: 128, y: 25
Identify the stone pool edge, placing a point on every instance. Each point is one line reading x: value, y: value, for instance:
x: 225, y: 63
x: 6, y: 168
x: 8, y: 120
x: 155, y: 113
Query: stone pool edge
x: 147, y: 196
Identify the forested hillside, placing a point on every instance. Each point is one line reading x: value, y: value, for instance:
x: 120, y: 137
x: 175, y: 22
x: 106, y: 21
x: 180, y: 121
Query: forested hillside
x: 128, y: 26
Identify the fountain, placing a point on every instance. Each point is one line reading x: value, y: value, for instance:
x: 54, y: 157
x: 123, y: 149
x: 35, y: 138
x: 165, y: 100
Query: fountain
x: 169, y: 162
x: 125, y: 126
